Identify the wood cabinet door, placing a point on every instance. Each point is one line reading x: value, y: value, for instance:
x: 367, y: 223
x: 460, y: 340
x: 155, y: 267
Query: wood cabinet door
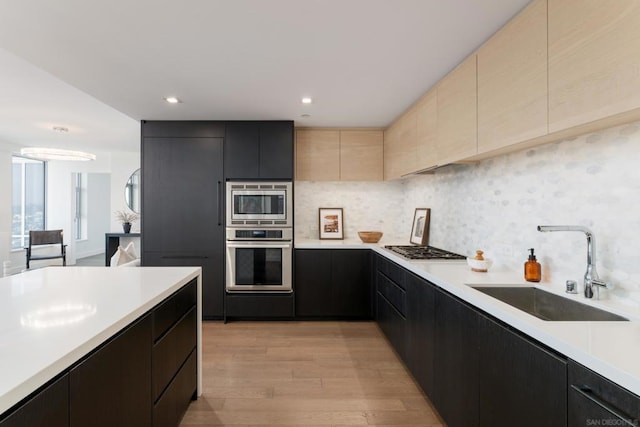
x: 421, y: 329
x: 512, y: 81
x: 48, y: 408
x: 182, y: 194
x: 317, y: 155
x: 593, y: 60
x: 457, y: 113
x: 456, y: 361
x: 242, y: 151
x: 521, y: 383
x: 361, y: 155
x: 112, y: 387
x: 427, y: 130
x: 400, y: 144
x: 312, y: 282
x: 276, y: 150
x: 351, y: 283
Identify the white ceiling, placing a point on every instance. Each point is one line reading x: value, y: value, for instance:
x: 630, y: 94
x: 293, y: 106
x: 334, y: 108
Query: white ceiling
x: 98, y: 67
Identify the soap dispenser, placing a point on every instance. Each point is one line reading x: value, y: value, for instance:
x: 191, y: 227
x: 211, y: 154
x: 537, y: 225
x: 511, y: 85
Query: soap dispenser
x: 532, y: 269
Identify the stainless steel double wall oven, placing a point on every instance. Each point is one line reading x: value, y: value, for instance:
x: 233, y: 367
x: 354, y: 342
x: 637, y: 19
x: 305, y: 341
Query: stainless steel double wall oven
x: 259, y: 233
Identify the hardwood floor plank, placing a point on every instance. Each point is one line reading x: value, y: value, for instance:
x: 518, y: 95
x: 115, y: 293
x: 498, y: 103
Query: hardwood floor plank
x: 305, y: 374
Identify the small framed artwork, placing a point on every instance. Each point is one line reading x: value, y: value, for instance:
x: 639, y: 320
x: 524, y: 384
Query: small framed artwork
x: 420, y: 228
x: 331, y: 223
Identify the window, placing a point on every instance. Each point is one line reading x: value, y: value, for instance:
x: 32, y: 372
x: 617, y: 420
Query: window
x: 28, y: 202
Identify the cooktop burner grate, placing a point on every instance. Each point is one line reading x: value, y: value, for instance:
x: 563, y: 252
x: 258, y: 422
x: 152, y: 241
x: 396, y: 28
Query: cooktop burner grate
x: 424, y: 252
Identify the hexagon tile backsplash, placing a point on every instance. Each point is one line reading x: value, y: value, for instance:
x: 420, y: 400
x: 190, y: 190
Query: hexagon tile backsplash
x: 495, y: 205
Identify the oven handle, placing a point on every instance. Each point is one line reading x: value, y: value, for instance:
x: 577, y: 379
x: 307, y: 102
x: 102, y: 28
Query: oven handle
x: 264, y: 245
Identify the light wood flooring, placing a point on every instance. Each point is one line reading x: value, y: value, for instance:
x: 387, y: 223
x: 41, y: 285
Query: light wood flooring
x: 304, y: 374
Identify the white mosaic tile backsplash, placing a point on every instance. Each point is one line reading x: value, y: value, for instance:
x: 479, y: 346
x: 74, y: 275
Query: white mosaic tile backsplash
x: 495, y: 205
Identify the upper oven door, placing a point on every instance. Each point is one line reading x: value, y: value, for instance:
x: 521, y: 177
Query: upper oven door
x: 259, y: 204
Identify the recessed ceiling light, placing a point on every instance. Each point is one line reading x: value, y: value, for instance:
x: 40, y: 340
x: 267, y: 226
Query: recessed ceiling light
x: 306, y: 100
x: 60, y: 129
x: 305, y: 116
x: 172, y: 100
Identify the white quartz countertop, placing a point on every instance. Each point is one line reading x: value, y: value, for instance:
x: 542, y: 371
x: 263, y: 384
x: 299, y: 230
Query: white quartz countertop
x: 611, y: 349
x: 52, y: 317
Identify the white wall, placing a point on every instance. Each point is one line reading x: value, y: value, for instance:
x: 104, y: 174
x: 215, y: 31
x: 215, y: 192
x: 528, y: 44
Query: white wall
x: 495, y: 205
x: 98, y: 210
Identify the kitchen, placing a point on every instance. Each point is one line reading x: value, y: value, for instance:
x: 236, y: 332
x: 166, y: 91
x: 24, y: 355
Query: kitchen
x: 497, y: 203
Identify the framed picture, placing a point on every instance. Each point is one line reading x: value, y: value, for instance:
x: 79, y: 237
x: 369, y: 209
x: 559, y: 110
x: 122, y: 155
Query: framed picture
x: 331, y: 223
x: 420, y: 228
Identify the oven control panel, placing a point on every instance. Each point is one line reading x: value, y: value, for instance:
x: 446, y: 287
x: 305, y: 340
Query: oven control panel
x: 259, y: 234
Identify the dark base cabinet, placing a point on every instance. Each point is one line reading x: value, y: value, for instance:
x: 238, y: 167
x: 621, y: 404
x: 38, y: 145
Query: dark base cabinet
x: 596, y: 401
x: 420, y: 331
x: 111, y: 387
x: 456, y: 361
x: 259, y: 306
x: 146, y: 375
x: 47, y: 408
x: 521, y: 382
x: 333, y: 283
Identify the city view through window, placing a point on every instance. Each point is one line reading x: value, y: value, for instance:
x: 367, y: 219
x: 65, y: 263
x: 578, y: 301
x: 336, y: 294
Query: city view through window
x: 28, y: 199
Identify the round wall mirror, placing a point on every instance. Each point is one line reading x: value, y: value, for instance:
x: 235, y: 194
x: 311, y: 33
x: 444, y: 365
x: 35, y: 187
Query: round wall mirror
x: 132, y: 192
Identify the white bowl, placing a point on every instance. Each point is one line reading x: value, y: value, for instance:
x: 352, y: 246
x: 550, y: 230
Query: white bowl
x: 479, y: 265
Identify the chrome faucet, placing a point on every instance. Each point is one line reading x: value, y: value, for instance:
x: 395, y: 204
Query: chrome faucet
x: 591, y: 277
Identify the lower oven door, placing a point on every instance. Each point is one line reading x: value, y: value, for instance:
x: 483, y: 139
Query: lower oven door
x: 259, y: 266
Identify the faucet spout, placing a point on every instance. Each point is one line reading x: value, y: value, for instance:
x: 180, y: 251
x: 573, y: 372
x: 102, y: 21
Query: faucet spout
x: 591, y: 277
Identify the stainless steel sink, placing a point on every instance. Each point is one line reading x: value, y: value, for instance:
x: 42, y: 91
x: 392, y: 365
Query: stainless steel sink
x: 547, y: 306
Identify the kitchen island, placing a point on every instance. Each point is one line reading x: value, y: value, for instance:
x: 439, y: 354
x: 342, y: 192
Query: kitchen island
x: 468, y: 332
x: 56, y: 320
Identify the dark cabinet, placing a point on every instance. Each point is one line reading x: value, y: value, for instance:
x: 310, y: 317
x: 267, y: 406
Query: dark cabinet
x: 259, y: 150
x: 333, y: 283
x: 259, y: 305
x: 182, y: 202
x: 391, y: 304
x: 112, y: 386
x: 47, y: 408
x: 596, y: 401
x: 456, y: 361
x: 420, y: 330
x: 521, y: 382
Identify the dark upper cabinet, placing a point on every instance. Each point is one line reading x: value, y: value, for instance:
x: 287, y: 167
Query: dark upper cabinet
x: 182, y: 194
x: 521, y: 382
x: 333, y: 283
x: 259, y: 150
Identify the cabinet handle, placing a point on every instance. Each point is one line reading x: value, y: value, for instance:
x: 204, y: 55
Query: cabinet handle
x: 219, y: 196
x: 184, y: 257
x: 587, y: 393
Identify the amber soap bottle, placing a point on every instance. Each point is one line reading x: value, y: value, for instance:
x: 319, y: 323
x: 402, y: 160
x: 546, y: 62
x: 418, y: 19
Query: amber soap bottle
x: 532, y: 270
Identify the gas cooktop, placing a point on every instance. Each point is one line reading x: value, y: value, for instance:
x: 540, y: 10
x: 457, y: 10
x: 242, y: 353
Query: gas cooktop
x: 424, y: 252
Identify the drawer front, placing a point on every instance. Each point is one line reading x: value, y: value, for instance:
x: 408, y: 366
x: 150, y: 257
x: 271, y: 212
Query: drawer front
x: 170, y: 352
x: 171, y: 310
x: 594, y: 400
x: 391, y: 270
x: 392, y: 324
x: 393, y: 293
x: 168, y: 411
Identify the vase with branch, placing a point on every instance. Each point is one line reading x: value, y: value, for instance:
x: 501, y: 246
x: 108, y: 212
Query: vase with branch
x: 126, y: 219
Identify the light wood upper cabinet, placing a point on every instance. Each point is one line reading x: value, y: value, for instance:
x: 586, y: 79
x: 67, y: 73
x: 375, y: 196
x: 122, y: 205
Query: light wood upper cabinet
x: 317, y: 155
x: 457, y: 113
x: 512, y: 81
x: 427, y: 130
x: 339, y: 155
x: 594, y: 60
x: 400, y: 144
x: 361, y: 155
